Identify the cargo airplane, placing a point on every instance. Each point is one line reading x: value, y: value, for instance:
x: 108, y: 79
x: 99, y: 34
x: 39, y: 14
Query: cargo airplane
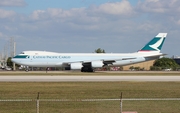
x: 87, y: 62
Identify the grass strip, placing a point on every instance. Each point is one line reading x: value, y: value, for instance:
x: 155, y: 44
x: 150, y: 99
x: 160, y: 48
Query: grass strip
x: 90, y: 90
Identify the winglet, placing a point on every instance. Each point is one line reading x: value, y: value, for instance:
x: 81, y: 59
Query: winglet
x: 155, y: 44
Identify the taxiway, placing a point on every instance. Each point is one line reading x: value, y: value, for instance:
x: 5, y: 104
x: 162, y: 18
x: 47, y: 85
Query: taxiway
x: 86, y: 78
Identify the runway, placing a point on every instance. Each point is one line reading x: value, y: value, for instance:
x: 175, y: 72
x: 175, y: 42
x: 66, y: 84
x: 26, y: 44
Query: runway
x: 87, y: 78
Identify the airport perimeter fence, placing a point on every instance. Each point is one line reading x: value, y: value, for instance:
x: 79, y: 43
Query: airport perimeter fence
x: 128, y: 105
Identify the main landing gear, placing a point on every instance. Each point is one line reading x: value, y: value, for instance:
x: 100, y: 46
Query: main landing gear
x: 87, y: 69
x: 26, y: 68
x: 47, y: 69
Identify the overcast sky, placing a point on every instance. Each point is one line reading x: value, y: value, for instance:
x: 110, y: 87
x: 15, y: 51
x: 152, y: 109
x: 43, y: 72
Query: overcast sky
x: 117, y: 26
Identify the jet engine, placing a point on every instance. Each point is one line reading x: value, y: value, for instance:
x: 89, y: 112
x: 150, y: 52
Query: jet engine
x: 96, y: 64
x: 75, y: 66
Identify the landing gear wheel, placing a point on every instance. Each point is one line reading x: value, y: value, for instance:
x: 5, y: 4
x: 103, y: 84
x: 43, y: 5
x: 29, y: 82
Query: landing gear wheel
x: 82, y: 69
x: 87, y: 69
x: 47, y: 69
x: 27, y: 68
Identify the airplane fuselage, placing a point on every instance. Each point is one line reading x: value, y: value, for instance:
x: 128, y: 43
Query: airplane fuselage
x: 50, y: 59
x: 86, y: 62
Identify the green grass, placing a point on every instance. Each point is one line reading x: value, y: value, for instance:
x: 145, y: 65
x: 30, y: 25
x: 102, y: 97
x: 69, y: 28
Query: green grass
x: 89, y: 90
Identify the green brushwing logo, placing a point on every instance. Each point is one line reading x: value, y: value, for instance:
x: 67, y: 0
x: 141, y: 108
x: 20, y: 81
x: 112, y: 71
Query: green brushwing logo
x: 154, y: 45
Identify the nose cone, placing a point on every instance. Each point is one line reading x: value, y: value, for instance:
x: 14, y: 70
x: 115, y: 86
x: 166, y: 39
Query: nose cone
x: 13, y: 60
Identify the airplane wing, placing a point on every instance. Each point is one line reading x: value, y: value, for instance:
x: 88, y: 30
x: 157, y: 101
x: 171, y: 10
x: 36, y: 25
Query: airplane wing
x: 105, y: 61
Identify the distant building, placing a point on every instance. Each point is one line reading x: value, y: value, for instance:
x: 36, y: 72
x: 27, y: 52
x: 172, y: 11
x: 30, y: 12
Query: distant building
x: 143, y: 65
x: 176, y: 59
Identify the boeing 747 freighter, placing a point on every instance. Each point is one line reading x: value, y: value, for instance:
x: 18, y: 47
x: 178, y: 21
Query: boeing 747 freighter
x: 87, y: 62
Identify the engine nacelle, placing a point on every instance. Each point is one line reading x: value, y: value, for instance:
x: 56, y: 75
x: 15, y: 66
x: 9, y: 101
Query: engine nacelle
x: 76, y: 66
x: 96, y: 64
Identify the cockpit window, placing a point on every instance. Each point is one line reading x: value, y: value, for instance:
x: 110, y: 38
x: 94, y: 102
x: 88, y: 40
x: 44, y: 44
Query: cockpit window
x: 22, y: 53
x: 22, y: 56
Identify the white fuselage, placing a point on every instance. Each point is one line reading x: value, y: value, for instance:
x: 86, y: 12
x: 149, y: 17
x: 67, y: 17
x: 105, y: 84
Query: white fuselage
x: 86, y: 62
x: 52, y: 59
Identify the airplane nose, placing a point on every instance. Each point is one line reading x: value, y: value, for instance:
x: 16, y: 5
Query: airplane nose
x: 12, y: 60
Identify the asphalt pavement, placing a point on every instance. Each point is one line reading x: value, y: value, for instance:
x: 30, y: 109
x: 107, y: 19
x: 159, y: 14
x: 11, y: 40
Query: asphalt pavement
x: 87, y: 78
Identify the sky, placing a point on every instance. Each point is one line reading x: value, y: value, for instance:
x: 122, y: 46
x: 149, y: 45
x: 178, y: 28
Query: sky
x: 78, y: 26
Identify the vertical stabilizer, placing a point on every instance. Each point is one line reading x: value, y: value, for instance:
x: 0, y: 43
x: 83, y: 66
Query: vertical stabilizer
x: 155, y: 44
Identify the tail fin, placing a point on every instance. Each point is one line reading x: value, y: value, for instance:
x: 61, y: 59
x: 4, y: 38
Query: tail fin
x: 155, y: 44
